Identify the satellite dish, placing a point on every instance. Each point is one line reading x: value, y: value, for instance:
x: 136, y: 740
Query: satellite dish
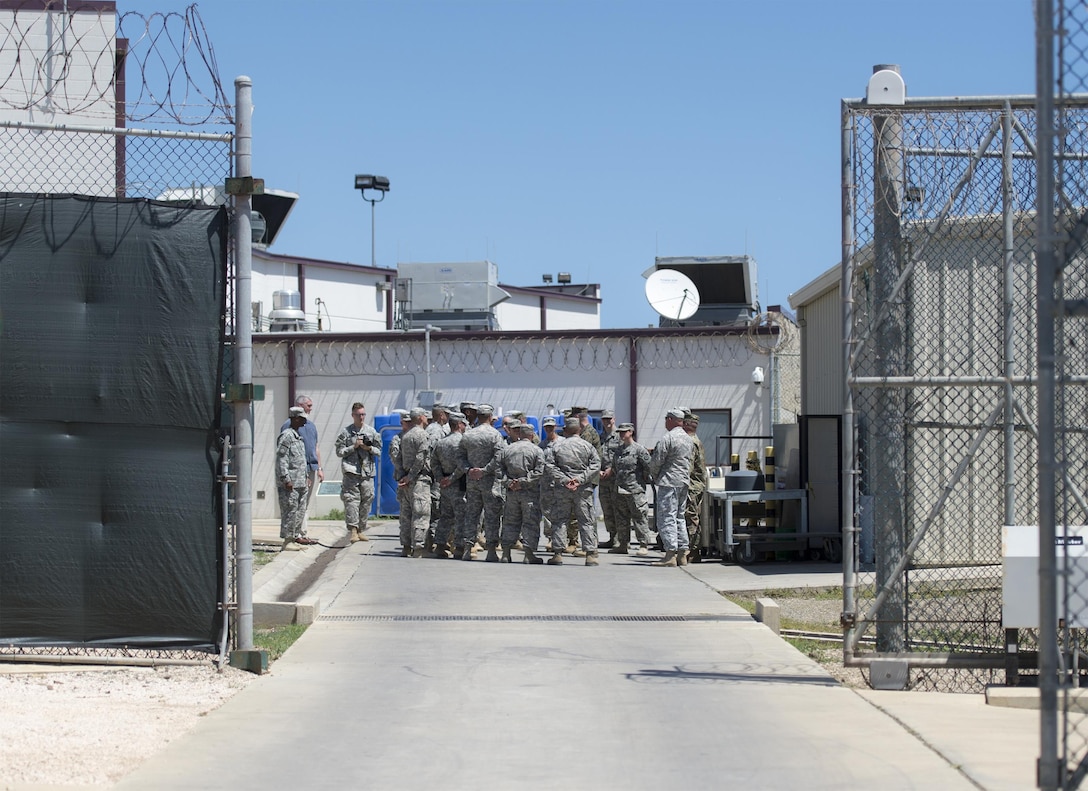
x: 672, y: 294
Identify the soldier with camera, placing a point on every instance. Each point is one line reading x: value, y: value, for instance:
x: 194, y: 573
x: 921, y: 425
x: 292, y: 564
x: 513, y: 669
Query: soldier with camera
x: 358, y: 445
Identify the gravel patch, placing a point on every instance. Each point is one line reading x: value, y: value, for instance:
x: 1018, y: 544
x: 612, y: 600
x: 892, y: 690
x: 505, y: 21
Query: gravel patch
x: 65, y: 727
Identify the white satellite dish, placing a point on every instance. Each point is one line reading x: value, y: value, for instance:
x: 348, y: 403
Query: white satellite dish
x: 672, y: 294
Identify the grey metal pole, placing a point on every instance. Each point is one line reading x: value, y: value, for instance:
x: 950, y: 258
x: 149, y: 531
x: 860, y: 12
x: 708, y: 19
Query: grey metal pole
x: 243, y: 365
x: 1009, y: 234
x: 373, y: 254
x: 848, y: 461
x: 1045, y: 89
x: 888, y: 447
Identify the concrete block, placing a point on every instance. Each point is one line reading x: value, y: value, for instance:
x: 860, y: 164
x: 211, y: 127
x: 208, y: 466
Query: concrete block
x: 254, y: 661
x: 307, y: 610
x: 273, y: 613
x: 769, y: 614
x: 889, y: 674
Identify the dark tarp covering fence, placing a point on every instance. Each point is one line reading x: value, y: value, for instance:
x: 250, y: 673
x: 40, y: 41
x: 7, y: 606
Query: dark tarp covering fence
x: 111, y: 337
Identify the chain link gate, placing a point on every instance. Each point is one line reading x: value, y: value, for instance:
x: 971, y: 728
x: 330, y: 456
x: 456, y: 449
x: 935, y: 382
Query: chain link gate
x: 941, y: 416
x: 71, y: 80
x: 1062, y: 251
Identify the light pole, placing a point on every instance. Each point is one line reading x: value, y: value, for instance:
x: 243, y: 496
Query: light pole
x: 379, y: 184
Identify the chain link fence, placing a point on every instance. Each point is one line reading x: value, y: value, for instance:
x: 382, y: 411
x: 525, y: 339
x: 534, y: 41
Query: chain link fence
x: 73, y: 79
x: 942, y: 414
x: 1062, y: 251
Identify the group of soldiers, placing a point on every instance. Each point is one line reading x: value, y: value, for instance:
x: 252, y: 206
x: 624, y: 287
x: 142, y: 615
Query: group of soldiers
x: 464, y: 487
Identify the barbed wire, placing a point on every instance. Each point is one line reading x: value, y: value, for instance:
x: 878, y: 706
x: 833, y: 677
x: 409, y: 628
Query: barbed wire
x: 165, y: 74
x: 387, y: 358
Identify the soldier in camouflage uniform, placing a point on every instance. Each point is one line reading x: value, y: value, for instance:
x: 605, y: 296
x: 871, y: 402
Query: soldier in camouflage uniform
x: 606, y: 492
x: 479, y: 447
x: 450, y: 476
x: 357, y: 445
x: 696, y: 489
x: 413, y: 464
x: 550, y: 441
x: 394, y: 457
x: 629, y: 465
x: 291, y: 480
x: 519, y: 469
x: 575, y: 468
x: 437, y: 428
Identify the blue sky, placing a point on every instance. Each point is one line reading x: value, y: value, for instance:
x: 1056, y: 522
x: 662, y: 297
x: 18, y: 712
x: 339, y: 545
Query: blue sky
x: 586, y: 136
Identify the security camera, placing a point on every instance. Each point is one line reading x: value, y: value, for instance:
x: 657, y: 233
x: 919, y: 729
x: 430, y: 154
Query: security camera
x: 757, y: 375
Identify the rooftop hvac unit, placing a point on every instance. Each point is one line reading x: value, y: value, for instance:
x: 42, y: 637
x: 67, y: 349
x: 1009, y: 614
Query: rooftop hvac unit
x: 287, y: 314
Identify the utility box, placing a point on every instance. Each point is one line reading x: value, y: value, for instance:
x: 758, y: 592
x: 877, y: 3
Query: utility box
x: 1020, y: 567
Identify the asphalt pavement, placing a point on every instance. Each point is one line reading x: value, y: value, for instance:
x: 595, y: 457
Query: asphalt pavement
x: 424, y: 673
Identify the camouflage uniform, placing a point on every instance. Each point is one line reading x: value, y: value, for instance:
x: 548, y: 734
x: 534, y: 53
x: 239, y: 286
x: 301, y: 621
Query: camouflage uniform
x: 696, y: 489
x: 291, y: 468
x: 606, y: 492
x: 575, y: 459
x: 436, y: 431
x: 357, y: 466
x: 479, y: 447
x: 519, y: 469
x: 547, y: 484
x: 415, y: 480
x: 670, y: 466
x: 446, y: 463
x: 630, y: 466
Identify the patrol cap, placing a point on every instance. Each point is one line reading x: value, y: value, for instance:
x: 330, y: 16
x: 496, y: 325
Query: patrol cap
x: 677, y: 413
x: 468, y: 405
x: 297, y: 411
x: 566, y: 413
x: 691, y: 417
x: 514, y: 425
x: 457, y: 417
x: 578, y: 410
x: 526, y: 428
x: 417, y: 412
x: 485, y: 409
x: 440, y: 408
x: 516, y: 413
x: 609, y: 413
x: 402, y: 413
x: 548, y: 421
x: 625, y: 427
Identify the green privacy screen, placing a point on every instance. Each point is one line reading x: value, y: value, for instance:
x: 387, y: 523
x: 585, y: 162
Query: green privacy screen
x: 110, y: 345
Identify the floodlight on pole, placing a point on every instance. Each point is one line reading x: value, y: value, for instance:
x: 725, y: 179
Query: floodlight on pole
x: 380, y: 185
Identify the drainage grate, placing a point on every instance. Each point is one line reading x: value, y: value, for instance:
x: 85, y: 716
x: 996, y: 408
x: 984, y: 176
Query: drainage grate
x: 546, y: 618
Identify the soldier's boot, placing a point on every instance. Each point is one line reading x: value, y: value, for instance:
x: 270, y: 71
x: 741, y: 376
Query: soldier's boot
x: 466, y: 554
x: 681, y: 557
x: 405, y: 551
x: 695, y: 555
x: 619, y: 549
x: 643, y: 550
x: 556, y: 559
x: 531, y: 557
x: 492, y: 555
x: 440, y: 551
x: 608, y: 543
x: 289, y: 545
x: 579, y: 553
x: 417, y: 552
x: 668, y: 560
x: 355, y: 535
x: 506, y: 556
x: 591, y: 559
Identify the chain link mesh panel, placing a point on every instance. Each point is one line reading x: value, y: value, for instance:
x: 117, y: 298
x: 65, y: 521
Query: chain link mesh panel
x: 73, y: 81
x: 940, y: 200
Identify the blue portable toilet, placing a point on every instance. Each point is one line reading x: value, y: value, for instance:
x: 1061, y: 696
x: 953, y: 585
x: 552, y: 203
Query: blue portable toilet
x: 385, y: 484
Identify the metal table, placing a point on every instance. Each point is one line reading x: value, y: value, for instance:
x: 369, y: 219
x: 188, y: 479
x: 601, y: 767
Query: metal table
x: 743, y: 546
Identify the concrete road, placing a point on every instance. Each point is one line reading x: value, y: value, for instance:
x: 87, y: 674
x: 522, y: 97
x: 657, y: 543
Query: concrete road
x: 425, y: 674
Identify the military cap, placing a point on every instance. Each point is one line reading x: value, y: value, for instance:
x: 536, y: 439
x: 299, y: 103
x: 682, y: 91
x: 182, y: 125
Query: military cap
x: 516, y: 413
x: 297, y: 411
x: 417, y: 412
x: 457, y: 417
x: 485, y: 409
x: 578, y: 410
x: 609, y: 413
x: 548, y: 421
x: 677, y: 413
x: 468, y: 405
x: 440, y: 408
x: 691, y: 417
x: 567, y: 413
x: 513, y: 425
x: 625, y: 427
